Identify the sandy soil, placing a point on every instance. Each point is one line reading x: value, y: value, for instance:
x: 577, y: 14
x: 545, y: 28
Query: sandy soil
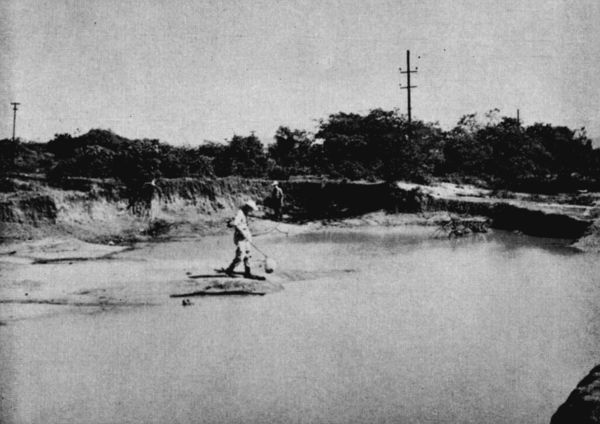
x: 38, y: 275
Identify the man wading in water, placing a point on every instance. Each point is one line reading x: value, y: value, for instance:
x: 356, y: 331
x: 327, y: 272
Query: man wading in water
x: 242, y: 239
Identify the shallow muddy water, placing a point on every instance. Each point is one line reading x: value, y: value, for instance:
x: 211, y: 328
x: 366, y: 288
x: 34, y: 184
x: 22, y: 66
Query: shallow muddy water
x: 374, y: 326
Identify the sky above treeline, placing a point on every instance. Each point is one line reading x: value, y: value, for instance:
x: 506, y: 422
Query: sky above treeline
x: 185, y: 71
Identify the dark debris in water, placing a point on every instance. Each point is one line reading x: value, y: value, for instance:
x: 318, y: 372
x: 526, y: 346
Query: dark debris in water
x: 456, y: 227
x: 101, y: 302
x: 220, y: 293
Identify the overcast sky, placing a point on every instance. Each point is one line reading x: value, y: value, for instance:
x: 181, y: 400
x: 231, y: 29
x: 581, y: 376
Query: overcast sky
x: 185, y: 71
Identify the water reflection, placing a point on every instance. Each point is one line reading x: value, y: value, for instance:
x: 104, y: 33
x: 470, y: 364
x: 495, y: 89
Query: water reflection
x: 428, y: 236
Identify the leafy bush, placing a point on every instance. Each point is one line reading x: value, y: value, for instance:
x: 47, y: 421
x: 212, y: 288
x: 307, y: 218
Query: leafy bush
x: 278, y: 172
x: 380, y: 144
x: 244, y: 156
x: 157, y: 228
x: 87, y: 161
x: 8, y: 151
x: 291, y: 149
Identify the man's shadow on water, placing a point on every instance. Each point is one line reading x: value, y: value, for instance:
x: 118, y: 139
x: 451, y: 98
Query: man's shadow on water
x: 215, y: 275
x: 235, y: 275
x: 197, y: 276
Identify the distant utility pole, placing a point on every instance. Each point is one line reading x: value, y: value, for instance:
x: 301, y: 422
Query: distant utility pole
x: 408, y: 86
x: 14, y: 104
x: 518, y: 117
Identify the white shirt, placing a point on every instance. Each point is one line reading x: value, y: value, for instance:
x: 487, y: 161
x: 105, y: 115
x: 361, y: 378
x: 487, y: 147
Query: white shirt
x: 241, y: 232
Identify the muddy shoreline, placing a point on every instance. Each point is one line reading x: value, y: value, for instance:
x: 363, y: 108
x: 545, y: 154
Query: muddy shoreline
x: 99, y: 211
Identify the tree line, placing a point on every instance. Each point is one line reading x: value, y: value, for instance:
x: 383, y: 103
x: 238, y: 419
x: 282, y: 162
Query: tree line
x: 492, y: 150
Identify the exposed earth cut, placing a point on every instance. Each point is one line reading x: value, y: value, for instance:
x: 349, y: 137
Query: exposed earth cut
x: 99, y: 210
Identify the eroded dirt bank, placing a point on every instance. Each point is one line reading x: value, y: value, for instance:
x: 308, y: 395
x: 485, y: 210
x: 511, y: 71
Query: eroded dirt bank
x: 104, y: 211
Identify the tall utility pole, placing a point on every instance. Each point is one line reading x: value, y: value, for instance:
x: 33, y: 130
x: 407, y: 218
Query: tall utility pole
x: 408, y: 86
x: 14, y: 104
x: 518, y: 117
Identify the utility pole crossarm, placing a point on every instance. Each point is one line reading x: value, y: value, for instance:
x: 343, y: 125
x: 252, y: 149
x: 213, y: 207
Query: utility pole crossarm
x: 408, y: 87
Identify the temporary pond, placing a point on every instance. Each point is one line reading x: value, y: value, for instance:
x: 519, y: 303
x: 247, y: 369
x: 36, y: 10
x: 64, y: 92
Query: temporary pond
x: 379, y: 326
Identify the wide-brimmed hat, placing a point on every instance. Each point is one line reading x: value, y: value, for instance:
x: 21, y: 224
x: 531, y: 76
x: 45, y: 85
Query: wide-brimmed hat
x: 251, y: 204
x: 274, y: 183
